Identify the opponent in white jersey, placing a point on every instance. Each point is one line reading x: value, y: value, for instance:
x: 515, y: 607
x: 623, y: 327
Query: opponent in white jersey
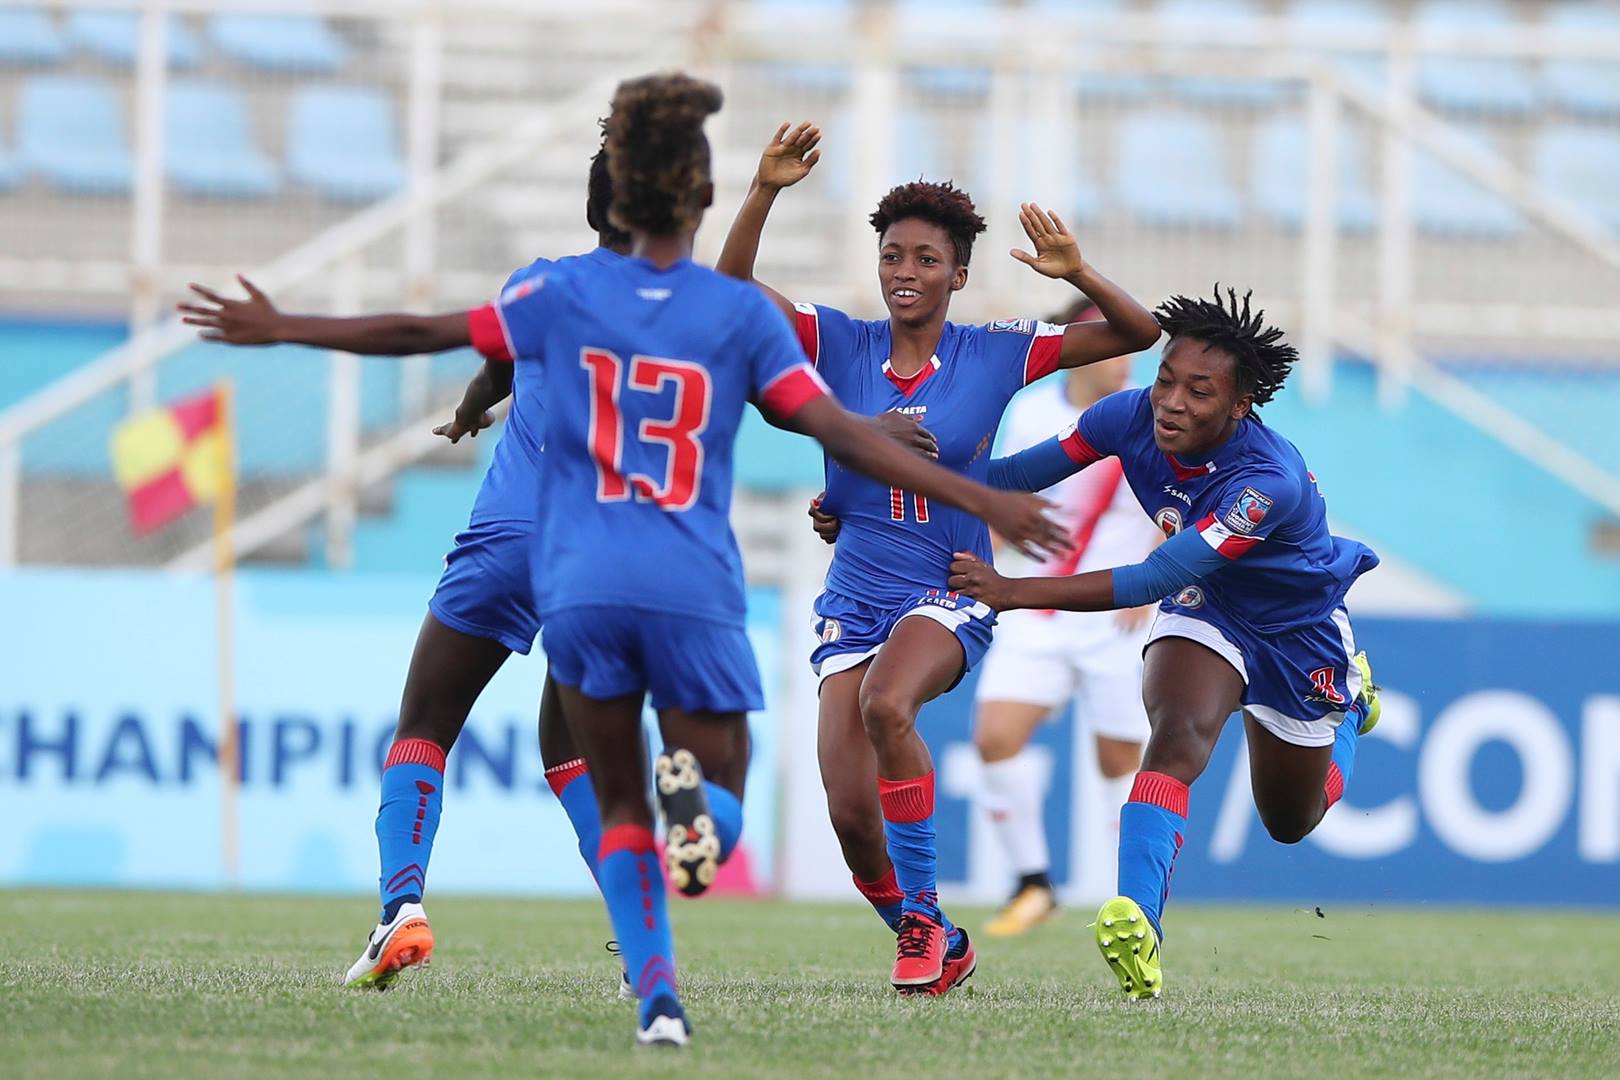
x: 1041, y: 660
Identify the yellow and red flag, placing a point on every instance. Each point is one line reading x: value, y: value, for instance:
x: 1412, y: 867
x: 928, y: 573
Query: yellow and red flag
x: 172, y: 459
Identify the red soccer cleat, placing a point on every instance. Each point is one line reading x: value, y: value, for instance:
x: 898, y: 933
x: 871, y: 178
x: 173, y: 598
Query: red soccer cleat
x: 919, y: 954
x: 957, y: 969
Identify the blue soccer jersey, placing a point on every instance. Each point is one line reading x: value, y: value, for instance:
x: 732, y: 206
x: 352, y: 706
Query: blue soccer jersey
x: 1252, y: 500
x: 893, y: 543
x: 645, y: 375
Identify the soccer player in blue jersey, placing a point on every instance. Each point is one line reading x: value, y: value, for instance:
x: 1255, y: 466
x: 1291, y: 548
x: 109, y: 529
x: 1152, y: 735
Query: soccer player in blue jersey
x: 1252, y: 586
x: 484, y: 607
x: 647, y: 364
x: 893, y: 636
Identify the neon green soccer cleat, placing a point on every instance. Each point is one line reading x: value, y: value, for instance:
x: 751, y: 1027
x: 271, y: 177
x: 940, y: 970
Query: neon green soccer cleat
x: 1128, y: 942
x: 1369, y: 692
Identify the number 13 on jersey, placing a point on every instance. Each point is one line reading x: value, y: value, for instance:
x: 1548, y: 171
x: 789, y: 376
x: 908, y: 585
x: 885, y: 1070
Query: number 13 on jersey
x: 683, y: 472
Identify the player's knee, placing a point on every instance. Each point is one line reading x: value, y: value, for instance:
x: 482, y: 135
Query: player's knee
x: 1286, y: 828
x: 1116, y: 758
x: 887, y: 715
x: 994, y: 743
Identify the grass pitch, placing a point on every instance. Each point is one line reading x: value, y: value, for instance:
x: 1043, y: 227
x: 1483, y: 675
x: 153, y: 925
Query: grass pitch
x: 133, y: 984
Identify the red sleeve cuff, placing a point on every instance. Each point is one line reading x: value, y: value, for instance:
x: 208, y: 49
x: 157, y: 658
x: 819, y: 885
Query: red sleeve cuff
x: 488, y: 334
x: 1225, y: 542
x: 791, y: 391
x: 1045, y: 352
x: 1080, y: 452
x: 807, y: 325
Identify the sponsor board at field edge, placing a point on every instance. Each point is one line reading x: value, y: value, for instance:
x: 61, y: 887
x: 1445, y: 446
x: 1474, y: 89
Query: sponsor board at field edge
x: 1494, y: 776
x: 108, y: 740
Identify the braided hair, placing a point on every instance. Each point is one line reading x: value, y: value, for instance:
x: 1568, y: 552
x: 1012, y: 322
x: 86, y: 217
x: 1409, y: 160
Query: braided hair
x: 657, y: 154
x: 1263, y: 358
x: 945, y: 205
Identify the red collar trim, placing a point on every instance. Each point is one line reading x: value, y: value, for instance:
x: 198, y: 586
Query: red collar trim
x: 1189, y: 472
x: 908, y: 384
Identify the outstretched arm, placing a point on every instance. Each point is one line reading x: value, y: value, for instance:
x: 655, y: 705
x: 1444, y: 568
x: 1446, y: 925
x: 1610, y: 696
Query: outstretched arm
x: 855, y: 443
x: 1126, y: 326
x: 256, y: 321
x: 1037, y: 468
x: 788, y: 158
x: 485, y: 390
x: 1173, y: 565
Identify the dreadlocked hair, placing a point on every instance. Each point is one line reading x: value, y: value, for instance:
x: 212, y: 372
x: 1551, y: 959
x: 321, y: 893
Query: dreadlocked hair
x: 1263, y: 358
x: 657, y: 154
x: 945, y: 205
x: 600, y: 198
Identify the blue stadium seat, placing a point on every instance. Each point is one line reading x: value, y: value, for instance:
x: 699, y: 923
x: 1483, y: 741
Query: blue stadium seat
x: 1238, y: 93
x: 1116, y: 87
x: 948, y: 81
x: 1280, y: 171
x: 27, y: 36
x: 1484, y: 84
x: 208, y: 143
x: 1171, y: 168
x: 279, y: 42
x: 1328, y: 19
x: 1447, y: 203
x: 115, y: 36
x: 1581, y: 165
x: 71, y: 130
x: 341, y: 140
x: 1584, y: 87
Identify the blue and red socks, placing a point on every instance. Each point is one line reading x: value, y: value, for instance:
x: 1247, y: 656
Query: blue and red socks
x: 885, y: 897
x: 571, y: 783
x: 1151, y: 826
x: 726, y: 810
x: 908, y: 830
x: 407, y: 819
x: 1345, y: 739
x: 632, y: 881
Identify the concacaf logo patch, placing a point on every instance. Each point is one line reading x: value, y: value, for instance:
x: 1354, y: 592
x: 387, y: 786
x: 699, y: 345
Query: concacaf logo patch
x: 1248, y: 512
x: 1013, y: 326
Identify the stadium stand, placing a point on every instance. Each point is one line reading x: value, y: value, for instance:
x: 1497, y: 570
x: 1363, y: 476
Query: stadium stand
x: 1581, y: 164
x: 28, y: 38
x: 1279, y: 168
x: 1156, y: 153
x: 285, y: 43
x: 1223, y: 92
x: 1447, y: 203
x: 342, y: 141
x: 209, y: 143
x: 114, y: 36
x: 70, y: 129
x: 1481, y: 84
x: 1587, y: 88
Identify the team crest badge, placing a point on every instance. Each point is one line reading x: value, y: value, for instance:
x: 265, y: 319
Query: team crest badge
x: 1013, y: 326
x: 831, y: 631
x: 1169, y: 520
x: 1190, y: 597
x: 1248, y: 512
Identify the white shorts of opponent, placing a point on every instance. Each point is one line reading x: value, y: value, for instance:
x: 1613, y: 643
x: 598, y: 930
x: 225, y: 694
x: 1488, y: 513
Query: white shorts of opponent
x: 1049, y: 659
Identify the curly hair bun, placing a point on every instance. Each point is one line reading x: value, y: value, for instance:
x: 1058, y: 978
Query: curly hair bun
x: 944, y: 205
x: 658, y: 157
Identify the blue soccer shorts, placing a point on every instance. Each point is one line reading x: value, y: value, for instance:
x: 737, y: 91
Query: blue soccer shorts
x: 486, y: 590
x: 1297, y: 684
x: 699, y: 665
x: 851, y: 632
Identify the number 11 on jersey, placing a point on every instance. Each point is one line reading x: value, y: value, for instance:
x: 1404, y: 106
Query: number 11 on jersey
x: 897, y: 506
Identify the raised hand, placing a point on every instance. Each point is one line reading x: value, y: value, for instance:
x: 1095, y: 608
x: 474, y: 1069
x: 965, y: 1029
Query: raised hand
x: 1057, y: 253
x: 789, y: 156
x: 236, y: 322
x: 460, y: 426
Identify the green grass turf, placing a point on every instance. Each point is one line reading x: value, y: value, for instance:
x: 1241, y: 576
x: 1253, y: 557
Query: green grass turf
x: 133, y: 984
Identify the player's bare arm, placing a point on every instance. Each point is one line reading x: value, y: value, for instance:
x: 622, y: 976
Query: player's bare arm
x: 1125, y: 327
x: 904, y: 429
x: 257, y: 321
x: 973, y: 577
x: 856, y: 444
x: 787, y: 159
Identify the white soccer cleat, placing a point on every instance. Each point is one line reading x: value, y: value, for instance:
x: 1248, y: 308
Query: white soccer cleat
x: 664, y: 1031
x: 393, y: 947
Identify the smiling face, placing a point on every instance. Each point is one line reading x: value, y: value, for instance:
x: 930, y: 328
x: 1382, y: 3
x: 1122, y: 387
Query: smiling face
x: 917, y: 270
x: 1195, y: 398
